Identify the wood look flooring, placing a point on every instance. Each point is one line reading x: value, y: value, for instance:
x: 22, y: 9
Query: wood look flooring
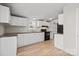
x: 45, y: 48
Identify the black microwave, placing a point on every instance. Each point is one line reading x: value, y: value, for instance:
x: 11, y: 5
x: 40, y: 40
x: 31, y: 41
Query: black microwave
x: 43, y: 30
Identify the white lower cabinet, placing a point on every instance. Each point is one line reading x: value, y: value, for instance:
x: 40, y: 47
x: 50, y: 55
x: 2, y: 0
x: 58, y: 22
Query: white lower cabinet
x: 58, y: 41
x: 29, y: 38
x: 8, y: 46
x: 60, y: 19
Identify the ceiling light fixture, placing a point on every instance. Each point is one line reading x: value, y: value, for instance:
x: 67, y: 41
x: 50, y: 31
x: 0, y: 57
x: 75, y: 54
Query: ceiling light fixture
x: 50, y: 18
x: 34, y: 18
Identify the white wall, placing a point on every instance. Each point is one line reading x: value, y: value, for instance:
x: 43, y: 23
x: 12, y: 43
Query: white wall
x: 69, y: 42
x: 77, y: 30
x: 15, y: 29
x: 1, y: 29
x: 53, y: 28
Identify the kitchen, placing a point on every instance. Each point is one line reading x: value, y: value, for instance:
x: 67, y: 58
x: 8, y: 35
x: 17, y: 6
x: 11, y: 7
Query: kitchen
x: 19, y: 31
x: 25, y: 25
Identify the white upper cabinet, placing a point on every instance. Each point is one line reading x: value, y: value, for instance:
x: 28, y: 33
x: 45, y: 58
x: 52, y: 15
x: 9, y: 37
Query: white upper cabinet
x: 53, y: 26
x: 1, y: 29
x: 4, y: 14
x: 60, y: 19
x: 18, y: 21
x: 44, y: 23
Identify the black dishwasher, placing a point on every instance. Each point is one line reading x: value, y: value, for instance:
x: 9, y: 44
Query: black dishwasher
x: 47, y: 36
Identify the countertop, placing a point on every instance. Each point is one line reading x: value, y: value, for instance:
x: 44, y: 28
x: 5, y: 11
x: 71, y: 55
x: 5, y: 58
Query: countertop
x: 15, y: 34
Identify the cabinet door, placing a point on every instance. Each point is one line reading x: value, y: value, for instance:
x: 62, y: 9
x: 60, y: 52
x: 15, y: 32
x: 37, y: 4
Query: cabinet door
x: 60, y: 19
x: 4, y: 14
x: 29, y: 38
x: 8, y: 46
x: 20, y: 40
x: 58, y: 39
x: 18, y: 21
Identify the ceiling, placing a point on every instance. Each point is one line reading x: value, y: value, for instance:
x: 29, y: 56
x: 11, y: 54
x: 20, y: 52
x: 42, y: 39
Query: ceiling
x: 38, y: 10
